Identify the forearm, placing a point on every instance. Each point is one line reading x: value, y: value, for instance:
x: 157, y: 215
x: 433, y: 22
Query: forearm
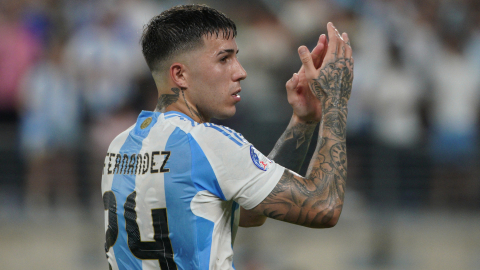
x: 316, y: 200
x: 328, y: 168
x: 291, y: 148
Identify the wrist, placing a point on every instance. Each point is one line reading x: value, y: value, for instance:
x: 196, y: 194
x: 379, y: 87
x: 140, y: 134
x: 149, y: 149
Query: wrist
x: 297, y: 120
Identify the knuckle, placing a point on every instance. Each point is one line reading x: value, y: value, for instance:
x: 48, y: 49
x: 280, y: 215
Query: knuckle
x: 305, y: 58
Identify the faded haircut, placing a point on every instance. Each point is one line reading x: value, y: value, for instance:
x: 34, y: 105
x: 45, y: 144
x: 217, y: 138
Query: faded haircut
x: 181, y: 29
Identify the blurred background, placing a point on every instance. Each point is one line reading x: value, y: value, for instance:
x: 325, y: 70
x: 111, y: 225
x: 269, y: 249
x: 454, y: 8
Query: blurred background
x: 72, y: 77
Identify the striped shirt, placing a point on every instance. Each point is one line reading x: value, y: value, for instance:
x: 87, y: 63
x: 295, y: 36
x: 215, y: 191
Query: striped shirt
x: 172, y: 189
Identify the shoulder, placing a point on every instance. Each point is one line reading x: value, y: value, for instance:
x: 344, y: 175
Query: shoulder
x: 228, y: 147
x: 120, y: 139
x: 213, y: 134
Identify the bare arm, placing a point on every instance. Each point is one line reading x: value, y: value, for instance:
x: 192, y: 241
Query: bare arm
x: 316, y: 200
x: 289, y: 151
x: 292, y: 146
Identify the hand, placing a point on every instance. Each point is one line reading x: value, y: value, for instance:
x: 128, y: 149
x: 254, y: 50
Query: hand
x: 305, y: 106
x: 332, y: 82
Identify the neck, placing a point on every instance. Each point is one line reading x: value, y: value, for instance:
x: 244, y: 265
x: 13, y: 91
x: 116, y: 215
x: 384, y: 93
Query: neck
x: 175, y: 100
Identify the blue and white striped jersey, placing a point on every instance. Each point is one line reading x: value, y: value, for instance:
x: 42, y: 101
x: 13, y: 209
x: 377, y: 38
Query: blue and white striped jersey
x: 172, y: 189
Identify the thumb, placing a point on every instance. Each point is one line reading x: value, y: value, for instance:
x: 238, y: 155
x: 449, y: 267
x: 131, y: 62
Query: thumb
x: 307, y: 61
x: 292, y: 83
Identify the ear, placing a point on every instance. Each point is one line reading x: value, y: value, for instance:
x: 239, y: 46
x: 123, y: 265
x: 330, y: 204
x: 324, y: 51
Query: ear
x: 177, y: 75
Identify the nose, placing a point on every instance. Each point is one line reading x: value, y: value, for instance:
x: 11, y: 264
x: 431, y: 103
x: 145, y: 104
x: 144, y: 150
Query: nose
x: 240, y: 73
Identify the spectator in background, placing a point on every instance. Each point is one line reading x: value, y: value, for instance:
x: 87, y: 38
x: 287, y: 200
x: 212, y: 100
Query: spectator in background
x: 136, y: 14
x: 386, y: 124
x: 399, y: 163
x: 18, y: 50
x: 91, y: 53
x: 50, y: 124
x: 398, y: 130
x: 420, y: 40
x: 454, y: 113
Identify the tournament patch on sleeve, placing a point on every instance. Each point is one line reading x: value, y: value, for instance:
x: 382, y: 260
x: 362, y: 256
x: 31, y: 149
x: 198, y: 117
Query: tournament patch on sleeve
x: 261, y: 161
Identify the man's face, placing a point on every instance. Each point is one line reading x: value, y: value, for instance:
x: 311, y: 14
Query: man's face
x: 214, y: 77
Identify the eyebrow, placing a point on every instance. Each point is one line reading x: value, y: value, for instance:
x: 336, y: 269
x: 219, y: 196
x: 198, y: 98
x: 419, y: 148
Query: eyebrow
x: 227, y: 51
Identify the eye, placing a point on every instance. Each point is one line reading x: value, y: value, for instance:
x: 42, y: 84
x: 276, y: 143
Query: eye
x: 224, y: 59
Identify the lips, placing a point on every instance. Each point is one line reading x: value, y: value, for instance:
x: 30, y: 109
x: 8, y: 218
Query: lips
x: 236, y: 95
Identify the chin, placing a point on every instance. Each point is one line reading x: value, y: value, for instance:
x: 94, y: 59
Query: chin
x: 226, y: 114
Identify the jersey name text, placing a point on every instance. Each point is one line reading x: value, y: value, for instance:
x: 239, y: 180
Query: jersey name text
x: 136, y: 163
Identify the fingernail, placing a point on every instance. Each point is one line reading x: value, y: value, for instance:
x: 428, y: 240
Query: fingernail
x: 303, y: 50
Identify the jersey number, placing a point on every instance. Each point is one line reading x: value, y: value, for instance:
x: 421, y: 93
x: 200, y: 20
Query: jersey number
x: 160, y: 249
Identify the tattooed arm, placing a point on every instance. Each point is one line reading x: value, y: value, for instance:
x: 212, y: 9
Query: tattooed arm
x: 316, y: 200
x: 292, y: 146
x: 290, y: 152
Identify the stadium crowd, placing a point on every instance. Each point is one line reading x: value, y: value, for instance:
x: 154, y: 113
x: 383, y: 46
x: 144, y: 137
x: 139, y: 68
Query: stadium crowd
x: 72, y: 76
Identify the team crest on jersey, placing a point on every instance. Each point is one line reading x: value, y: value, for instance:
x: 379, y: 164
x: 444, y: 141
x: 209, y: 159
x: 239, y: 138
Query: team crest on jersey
x: 146, y: 123
x: 261, y: 161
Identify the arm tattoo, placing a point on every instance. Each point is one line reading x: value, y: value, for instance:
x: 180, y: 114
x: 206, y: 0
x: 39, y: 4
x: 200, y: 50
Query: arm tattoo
x: 334, y: 87
x: 317, y: 199
x: 292, y: 146
x: 167, y: 99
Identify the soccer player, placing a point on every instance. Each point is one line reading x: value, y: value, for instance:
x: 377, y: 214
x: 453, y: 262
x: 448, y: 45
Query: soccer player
x: 176, y: 187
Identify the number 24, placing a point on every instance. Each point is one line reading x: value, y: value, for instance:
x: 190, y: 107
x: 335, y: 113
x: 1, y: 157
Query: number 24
x: 160, y: 249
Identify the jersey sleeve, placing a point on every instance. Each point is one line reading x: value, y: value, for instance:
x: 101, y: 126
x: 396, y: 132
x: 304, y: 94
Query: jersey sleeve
x: 242, y: 173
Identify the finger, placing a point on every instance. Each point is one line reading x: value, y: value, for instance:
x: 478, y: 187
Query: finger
x: 348, y: 53
x: 345, y: 38
x: 307, y: 62
x: 319, y: 52
x: 325, y: 43
x: 342, y: 46
x: 338, y: 34
x: 292, y: 83
x: 333, y: 41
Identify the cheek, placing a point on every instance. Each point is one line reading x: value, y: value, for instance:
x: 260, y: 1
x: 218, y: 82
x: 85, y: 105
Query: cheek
x: 213, y: 87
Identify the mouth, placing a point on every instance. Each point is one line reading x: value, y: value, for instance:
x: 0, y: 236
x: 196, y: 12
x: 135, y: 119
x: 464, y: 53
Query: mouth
x: 237, y: 93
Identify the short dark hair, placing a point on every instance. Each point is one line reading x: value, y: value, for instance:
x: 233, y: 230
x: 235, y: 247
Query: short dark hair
x: 180, y: 29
